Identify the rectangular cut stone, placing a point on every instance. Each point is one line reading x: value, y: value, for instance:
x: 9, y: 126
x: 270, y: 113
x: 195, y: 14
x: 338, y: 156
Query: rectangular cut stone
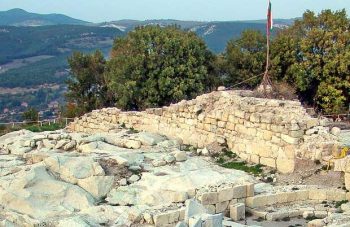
x: 348, y: 196
x: 231, y: 118
x: 237, y: 212
x: 285, y: 197
x: 296, y: 134
x: 230, y: 126
x: 255, y: 117
x: 336, y: 195
x: 278, y: 215
x: 318, y: 194
x: 264, y: 151
x: 209, y: 198
x: 225, y: 116
x: 174, y: 216
x: 225, y: 194
x: 250, y: 190
x: 161, y: 219
x: 260, y: 201
x: 182, y: 214
x: 211, y: 209
x: 289, y: 139
x: 212, y: 220
x: 221, y: 207
x: 239, y: 191
x: 302, y: 195
x: 221, y: 124
x: 271, y: 162
x: 267, y: 135
x: 239, y: 113
x: 255, y: 158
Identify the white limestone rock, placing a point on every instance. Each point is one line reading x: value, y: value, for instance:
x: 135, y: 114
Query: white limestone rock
x: 133, y: 179
x: 124, y: 195
x: 193, y: 208
x: 97, y: 186
x: 336, y: 131
x: 37, y: 193
x: 149, y: 139
x: 73, y: 221
x: 180, y: 156
x: 72, y: 169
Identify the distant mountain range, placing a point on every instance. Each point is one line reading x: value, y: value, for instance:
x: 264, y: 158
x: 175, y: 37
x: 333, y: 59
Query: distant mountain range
x: 33, y: 47
x: 34, y: 50
x: 20, y: 17
x: 216, y: 34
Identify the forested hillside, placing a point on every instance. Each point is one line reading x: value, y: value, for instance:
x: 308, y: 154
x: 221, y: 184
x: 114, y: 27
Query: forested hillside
x: 22, y: 42
x: 35, y: 48
x: 20, y: 17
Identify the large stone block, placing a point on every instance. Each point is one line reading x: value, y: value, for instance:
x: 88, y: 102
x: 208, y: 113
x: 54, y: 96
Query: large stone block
x: 239, y: 191
x: 271, y: 162
x: 209, y: 198
x: 221, y: 207
x: 277, y: 215
x: 237, y: 212
x: 302, y: 195
x: 250, y: 190
x: 260, y: 200
x: 255, y: 117
x: 318, y: 194
x: 212, y: 220
x: 225, y: 194
x: 97, y: 186
x: 336, y: 195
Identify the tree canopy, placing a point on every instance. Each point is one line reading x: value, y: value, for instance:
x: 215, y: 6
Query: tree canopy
x: 154, y: 66
x: 244, y: 58
x: 314, y: 54
x: 87, y: 86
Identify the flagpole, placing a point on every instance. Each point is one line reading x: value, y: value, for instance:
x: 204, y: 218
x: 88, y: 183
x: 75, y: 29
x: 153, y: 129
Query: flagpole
x: 266, y: 78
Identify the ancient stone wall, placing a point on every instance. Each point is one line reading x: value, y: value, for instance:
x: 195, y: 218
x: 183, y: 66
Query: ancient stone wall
x: 274, y: 133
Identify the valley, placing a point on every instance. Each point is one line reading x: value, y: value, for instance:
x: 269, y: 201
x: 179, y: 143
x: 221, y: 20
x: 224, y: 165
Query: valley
x: 34, y: 50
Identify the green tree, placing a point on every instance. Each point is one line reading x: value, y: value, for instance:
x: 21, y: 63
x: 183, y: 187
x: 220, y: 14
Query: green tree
x: 154, y: 66
x: 87, y: 86
x: 314, y: 55
x: 243, y: 59
x: 31, y: 115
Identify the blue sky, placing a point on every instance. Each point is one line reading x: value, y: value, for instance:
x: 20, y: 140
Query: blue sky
x: 203, y: 10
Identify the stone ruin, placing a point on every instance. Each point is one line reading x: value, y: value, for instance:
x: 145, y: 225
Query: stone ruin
x: 274, y: 133
x: 114, y: 168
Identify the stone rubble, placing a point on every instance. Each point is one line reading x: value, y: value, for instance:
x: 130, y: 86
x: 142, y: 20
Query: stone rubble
x: 103, y: 174
x: 98, y: 183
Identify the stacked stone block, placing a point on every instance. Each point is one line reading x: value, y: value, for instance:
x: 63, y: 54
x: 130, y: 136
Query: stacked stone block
x: 262, y: 131
x: 219, y: 200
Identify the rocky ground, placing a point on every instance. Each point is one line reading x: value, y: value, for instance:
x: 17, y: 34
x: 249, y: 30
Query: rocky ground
x: 130, y: 178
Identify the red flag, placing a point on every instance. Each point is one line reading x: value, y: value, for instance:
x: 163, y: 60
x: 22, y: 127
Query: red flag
x: 269, y: 19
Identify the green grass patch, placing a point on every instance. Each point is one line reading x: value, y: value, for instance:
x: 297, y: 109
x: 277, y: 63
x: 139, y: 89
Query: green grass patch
x: 254, y: 169
x: 339, y: 203
x: 132, y: 131
x: 45, y: 127
x: 221, y: 160
x: 311, y: 218
x: 230, y: 154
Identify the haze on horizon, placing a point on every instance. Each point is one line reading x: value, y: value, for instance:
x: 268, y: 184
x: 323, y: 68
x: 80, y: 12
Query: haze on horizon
x: 198, y: 10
